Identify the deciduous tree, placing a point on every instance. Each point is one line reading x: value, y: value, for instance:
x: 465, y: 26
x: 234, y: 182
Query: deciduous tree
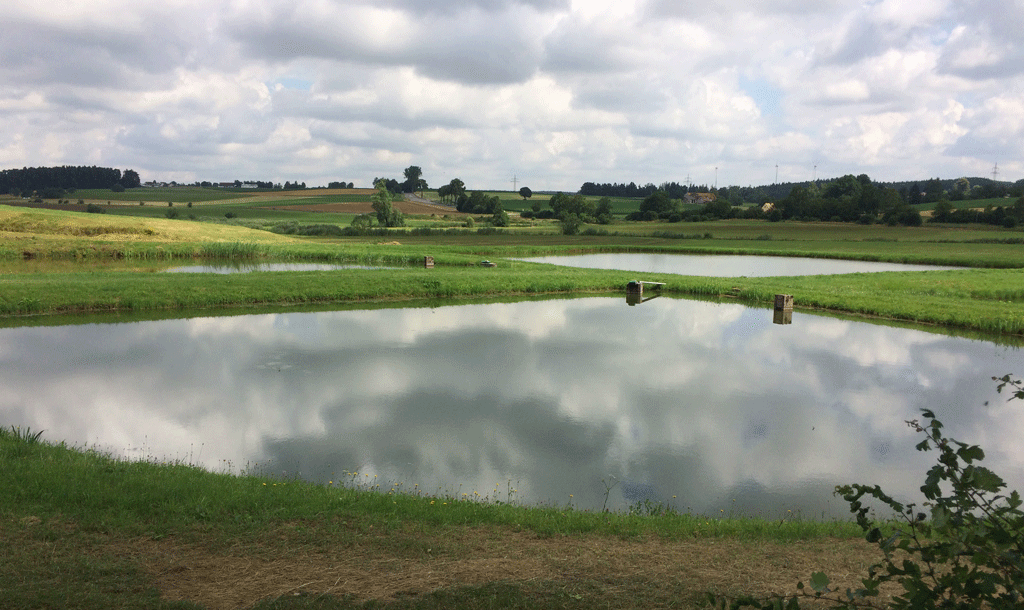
x: 413, y: 173
x: 387, y: 215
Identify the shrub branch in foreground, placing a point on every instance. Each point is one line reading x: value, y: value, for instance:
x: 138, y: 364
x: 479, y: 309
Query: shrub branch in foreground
x: 965, y: 552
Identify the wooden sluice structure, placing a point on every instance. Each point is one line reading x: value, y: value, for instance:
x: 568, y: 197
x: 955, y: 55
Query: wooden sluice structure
x: 635, y: 291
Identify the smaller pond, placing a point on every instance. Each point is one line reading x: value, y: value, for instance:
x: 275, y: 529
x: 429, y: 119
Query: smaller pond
x: 723, y: 265
x: 239, y: 267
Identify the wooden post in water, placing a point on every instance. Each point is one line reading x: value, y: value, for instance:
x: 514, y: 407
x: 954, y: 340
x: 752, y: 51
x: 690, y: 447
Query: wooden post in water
x: 428, y: 262
x: 783, y: 309
x: 635, y: 288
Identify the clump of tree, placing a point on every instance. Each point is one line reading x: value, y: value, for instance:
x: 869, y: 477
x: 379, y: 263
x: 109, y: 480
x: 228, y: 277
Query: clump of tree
x: 847, y: 199
x: 65, y: 178
x: 340, y: 185
x: 393, y: 186
x: 387, y: 215
x: 960, y: 189
x: 478, y: 203
x: 525, y: 193
x: 499, y: 218
x: 414, y: 180
x: 1005, y: 216
x: 591, y: 189
x: 572, y: 211
x: 453, y: 192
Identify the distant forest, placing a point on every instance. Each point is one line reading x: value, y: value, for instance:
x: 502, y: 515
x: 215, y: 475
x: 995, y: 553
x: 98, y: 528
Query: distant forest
x: 912, y: 192
x: 64, y: 179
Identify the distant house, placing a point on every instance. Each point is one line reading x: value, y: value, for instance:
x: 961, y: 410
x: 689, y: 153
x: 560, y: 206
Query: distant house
x: 699, y: 197
x: 768, y: 207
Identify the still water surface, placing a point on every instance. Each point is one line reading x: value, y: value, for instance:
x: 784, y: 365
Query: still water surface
x: 709, y: 407
x: 726, y: 265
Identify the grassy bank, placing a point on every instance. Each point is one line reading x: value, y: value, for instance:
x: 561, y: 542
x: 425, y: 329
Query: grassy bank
x: 83, y: 530
x: 989, y: 300
x: 81, y: 263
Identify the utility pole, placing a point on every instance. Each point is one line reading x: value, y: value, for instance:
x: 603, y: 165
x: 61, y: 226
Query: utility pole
x: 995, y: 172
x: 776, y: 173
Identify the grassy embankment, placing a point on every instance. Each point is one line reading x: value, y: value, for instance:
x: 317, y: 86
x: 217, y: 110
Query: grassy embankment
x: 989, y: 299
x: 82, y: 530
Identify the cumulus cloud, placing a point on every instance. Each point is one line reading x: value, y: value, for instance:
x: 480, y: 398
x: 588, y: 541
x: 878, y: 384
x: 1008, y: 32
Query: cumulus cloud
x: 559, y: 92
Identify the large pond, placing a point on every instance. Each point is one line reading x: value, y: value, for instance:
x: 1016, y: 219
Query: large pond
x: 725, y: 265
x: 704, y: 406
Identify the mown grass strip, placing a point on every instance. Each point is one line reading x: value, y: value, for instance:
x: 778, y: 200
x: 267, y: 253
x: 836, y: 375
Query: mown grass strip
x: 988, y: 300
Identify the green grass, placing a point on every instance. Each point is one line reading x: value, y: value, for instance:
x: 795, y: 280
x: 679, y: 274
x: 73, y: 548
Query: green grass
x: 84, y: 530
x: 99, y: 492
x: 988, y: 300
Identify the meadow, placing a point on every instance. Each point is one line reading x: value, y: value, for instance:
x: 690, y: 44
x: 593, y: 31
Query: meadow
x: 84, y: 530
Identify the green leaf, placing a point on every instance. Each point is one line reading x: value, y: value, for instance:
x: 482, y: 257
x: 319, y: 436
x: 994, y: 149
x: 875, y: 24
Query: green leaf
x: 985, y: 479
x: 971, y: 453
x: 819, y: 582
x: 930, y: 489
x: 940, y: 517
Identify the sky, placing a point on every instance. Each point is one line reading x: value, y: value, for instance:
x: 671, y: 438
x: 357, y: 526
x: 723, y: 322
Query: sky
x: 501, y: 94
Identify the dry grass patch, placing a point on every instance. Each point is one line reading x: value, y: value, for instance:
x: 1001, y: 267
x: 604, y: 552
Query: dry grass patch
x: 620, y: 571
x: 21, y: 223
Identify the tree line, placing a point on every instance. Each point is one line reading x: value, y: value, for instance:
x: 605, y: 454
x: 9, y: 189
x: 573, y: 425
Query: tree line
x: 57, y: 181
x: 913, y: 193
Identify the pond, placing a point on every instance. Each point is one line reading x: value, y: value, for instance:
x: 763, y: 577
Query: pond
x: 726, y: 265
x: 707, y: 407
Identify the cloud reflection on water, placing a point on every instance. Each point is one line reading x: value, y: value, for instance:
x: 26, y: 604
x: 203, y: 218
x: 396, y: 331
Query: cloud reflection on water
x: 710, y: 403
